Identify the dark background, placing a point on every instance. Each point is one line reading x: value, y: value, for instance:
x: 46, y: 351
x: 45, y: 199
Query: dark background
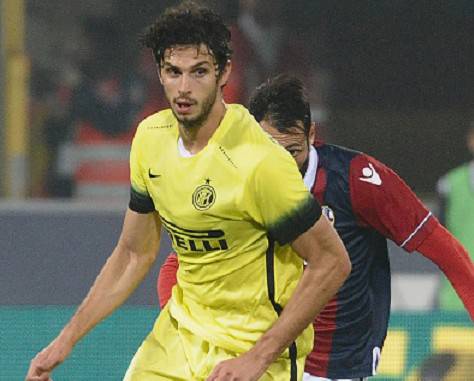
x: 394, y: 78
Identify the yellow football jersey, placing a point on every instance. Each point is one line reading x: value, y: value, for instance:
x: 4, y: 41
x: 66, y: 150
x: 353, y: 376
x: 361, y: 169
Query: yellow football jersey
x: 230, y: 211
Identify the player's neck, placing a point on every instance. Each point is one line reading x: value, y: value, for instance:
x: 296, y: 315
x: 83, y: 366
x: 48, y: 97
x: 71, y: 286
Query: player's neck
x: 196, y: 138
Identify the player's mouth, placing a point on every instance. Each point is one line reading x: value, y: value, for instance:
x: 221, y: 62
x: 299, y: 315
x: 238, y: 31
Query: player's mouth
x: 184, y: 106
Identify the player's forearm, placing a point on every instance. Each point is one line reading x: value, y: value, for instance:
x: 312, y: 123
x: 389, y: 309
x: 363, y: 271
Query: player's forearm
x: 324, y: 275
x: 122, y: 273
x: 446, y: 251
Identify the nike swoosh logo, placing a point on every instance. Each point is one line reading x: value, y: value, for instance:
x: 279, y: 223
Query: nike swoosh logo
x: 151, y: 175
x: 370, y: 175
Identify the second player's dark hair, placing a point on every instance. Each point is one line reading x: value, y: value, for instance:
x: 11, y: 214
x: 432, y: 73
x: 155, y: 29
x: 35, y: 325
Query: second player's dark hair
x: 189, y: 24
x: 282, y: 101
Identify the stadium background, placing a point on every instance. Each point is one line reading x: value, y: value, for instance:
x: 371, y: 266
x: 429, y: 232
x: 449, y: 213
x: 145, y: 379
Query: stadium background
x: 394, y: 79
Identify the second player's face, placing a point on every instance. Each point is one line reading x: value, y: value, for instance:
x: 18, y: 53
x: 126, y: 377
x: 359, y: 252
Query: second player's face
x: 295, y: 141
x: 191, y: 83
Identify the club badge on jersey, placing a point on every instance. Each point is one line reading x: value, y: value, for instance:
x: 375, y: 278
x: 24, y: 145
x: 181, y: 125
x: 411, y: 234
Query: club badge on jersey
x: 204, y: 196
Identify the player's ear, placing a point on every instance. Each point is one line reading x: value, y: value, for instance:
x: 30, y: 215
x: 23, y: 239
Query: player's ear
x: 312, y: 133
x: 224, y: 76
x: 158, y: 70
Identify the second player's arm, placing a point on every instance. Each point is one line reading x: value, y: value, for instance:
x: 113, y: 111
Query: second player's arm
x: 328, y: 266
x: 128, y: 264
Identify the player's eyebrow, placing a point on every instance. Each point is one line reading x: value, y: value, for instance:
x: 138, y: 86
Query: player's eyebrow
x: 201, y: 63
x: 168, y: 64
x: 196, y: 65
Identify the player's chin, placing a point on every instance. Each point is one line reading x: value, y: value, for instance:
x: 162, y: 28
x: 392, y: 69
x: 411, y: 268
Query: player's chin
x: 185, y: 118
x: 189, y: 121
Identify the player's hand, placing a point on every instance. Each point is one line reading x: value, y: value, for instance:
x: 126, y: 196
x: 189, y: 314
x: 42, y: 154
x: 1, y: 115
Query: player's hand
x: 45, y: 361
x: 242, y: 368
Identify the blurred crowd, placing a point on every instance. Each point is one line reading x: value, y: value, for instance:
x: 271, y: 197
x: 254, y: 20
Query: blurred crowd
x: 91, y: 82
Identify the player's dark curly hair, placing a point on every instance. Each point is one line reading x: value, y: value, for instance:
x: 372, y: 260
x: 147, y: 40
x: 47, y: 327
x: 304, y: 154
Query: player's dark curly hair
x: 282, y: 101
x: 189, y: 24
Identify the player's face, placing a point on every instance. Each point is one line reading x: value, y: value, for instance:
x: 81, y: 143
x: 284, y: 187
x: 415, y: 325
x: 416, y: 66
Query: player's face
x: 294, y: 141
x: 191, y: 82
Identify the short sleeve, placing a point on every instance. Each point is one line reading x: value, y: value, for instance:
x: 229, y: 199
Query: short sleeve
x: 280, y: 200
x: 140, y: 200
x: 383, y: 201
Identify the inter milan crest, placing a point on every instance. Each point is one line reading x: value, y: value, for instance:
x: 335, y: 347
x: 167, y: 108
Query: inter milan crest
x: 328, y: 213
x: 204, y: 196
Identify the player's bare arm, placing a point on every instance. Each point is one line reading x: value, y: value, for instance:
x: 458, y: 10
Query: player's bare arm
x: 128, y: 264
x: 328, y: 266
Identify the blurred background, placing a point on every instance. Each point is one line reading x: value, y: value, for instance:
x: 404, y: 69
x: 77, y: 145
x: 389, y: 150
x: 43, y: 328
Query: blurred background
x: 392, y: 78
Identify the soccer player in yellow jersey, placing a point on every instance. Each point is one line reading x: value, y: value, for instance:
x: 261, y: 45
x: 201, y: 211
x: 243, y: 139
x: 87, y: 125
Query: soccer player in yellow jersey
x: 240, y: 218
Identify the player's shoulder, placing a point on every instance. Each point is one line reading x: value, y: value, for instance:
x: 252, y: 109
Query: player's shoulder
x: 354, y: 159
x: 348, y: 164
x: 239, y: 114
x: 161, y: 123
x: 336, y: 151
x: 249, y: 142
x: 335, y: 158
x: 245, y: 129
x: 260, y: 141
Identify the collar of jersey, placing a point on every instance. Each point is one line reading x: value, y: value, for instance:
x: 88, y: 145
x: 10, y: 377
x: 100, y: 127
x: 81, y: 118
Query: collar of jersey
x: 310, y: 175
x: 218, y: 133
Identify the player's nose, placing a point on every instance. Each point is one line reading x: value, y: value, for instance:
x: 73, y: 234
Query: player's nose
x: 183, y: 85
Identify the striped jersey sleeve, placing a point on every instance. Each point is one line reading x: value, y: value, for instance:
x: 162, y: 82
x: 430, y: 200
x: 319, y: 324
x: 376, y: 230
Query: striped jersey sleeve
x: 382, y: 200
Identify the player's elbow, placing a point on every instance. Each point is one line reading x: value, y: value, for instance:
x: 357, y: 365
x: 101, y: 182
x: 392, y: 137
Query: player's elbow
x: 339, y: 262
x: 132, y: 256
x: 338, y: 265
x: 344, y: 265
x: 341, y: 266
x: 335, y: 265
x: 146, y: 258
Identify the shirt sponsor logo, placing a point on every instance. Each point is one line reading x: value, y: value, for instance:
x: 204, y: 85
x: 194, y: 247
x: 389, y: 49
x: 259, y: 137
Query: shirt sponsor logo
x: 204, y: 196
x: 370, y: 175
x: 198, y: 241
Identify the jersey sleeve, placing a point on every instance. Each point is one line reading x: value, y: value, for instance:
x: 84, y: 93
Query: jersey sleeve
x: 167, y: 279
x: 443, y: 249
x: 140, y: 200
x: 279, y: 199
x: 383, y: 201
